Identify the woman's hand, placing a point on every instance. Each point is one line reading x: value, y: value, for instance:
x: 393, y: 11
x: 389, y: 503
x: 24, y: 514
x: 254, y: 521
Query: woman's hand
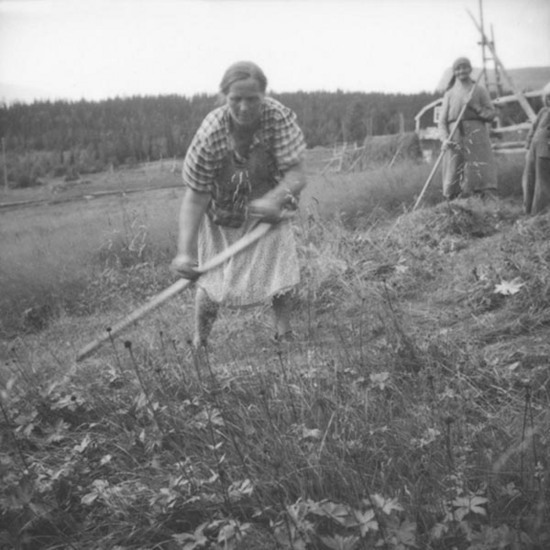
x: 448, y: 144
x: 185, y: 266
x: 267, y: 209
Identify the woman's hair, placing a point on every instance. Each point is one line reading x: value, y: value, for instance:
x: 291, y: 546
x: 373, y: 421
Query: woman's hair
x: 461, y: 61
x: 457, y: 62
x: 241, y: 71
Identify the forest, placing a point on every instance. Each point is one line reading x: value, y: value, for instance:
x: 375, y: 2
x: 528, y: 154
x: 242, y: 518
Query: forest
x: 69, y: 139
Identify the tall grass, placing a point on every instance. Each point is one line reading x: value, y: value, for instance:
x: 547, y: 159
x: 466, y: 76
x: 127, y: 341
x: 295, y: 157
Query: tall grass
x: 411, y: 412
x: 363, y: 198
x: 52, y: 255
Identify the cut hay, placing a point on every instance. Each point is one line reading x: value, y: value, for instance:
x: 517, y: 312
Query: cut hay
x: 444, y: 222
x: 375, y: 151
x: 382, y: 149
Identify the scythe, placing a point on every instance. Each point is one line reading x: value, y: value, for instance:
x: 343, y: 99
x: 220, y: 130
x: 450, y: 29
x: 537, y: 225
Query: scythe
x: 257, y: 232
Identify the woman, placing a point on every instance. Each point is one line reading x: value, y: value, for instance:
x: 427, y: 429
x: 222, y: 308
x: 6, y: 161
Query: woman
x: 244, y: 164
x: 536, y: 176
x: 468, y: 164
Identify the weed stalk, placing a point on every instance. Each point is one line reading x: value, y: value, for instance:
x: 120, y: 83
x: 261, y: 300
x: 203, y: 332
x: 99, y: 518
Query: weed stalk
x: 117, y: 358
x: 449, y: 442
x: 179, y: 361
x: 15, y: 441
x: 287, y: 385
x: 528, y: 419
x: 219, y: 462
x: 128, y: 346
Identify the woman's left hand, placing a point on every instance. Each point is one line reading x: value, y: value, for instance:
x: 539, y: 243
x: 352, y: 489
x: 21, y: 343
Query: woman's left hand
x: 266, y: 209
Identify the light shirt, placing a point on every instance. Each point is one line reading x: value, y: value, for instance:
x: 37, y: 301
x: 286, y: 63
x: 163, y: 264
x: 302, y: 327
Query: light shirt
x: 479, y: 107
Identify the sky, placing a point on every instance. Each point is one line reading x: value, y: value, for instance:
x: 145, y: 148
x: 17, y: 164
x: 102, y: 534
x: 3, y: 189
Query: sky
x: 99, y: 49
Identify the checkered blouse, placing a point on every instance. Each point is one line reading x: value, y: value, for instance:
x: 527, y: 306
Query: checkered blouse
x: 278, y: 130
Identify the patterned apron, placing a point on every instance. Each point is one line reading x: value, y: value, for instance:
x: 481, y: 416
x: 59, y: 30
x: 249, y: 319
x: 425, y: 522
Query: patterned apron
x: 266, y: 268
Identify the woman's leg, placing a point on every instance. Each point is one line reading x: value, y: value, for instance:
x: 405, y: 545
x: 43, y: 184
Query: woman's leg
x: 206, y: 312
x: 453, y: 170
x: 480, y: 173
x: 541, y: 194
x: 528, y: 182
x: 282, y: 309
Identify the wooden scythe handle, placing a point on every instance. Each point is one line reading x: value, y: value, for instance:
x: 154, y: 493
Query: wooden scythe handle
x: 180, y: 285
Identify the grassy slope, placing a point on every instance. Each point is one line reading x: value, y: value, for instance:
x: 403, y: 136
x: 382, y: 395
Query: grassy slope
x: 412, y: 379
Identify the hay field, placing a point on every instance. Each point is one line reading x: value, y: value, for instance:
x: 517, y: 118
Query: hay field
x: 410, y: 412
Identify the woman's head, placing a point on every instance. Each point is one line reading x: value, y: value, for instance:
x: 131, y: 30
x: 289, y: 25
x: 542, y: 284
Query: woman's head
x: 462, y: 68
x: 243, y: 88
x: 241, y: 70
x: 462, y: 62
x: 546, y: 94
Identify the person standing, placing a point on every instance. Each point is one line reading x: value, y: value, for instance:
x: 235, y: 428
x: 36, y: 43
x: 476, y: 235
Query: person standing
x: 536, y: 175
x: 468, y: 162
x: 245, y: 163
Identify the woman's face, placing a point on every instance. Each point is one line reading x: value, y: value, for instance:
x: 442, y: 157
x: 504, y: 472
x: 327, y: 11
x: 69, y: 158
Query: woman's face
x: 463, y: 71
x: 244, y: 99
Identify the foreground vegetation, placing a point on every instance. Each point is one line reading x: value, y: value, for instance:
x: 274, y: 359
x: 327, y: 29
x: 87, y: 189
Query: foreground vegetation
x: 411, y: 412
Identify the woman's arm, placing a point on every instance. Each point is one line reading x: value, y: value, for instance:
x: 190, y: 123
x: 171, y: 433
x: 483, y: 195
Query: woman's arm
x: 193, y: 208
x: 270, y: 207
x: 287, y: 147
x: 443, y: 122
x: 482, y: 105
x: 293, y: 181
x: 533, y: 129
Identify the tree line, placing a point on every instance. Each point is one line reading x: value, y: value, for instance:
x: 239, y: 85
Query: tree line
x: 63, y: 138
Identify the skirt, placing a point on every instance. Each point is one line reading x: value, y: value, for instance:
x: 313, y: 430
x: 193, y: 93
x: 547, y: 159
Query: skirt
x: 267, y: 268
x: 472, y: 166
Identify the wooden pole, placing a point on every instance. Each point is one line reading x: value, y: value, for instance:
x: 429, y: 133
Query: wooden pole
x: 342, y: 158
x: 180, y: 285
x: 497, y: 70
x: 521, y: 98
x: 5, y: 164
x: 483, y: 45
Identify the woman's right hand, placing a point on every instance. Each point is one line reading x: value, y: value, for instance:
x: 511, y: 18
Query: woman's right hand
x: 185, y: 266
x: 448, y: 144
x: 267, y: 209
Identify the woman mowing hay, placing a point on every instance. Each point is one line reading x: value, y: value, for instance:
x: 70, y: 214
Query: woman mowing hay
x: 536, y: 176
x: 244, y: 164
x: 468, y: 163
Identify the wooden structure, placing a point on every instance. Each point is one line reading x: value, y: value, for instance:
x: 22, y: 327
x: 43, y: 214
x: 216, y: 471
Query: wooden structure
x: 425, y: 125
x: 506, y: 136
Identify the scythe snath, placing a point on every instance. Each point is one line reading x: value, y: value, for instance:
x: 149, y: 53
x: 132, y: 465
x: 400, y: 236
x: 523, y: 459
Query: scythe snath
x: 257, y: 232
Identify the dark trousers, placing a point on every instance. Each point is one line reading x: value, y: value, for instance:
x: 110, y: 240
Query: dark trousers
x: 536, y: 183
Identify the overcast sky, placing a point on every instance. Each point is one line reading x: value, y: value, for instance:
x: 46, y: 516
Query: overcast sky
x: 96, y: 49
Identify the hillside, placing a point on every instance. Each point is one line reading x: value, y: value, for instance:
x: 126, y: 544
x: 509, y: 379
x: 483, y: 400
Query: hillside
x: 11, y: 93
x: 411, y: 411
